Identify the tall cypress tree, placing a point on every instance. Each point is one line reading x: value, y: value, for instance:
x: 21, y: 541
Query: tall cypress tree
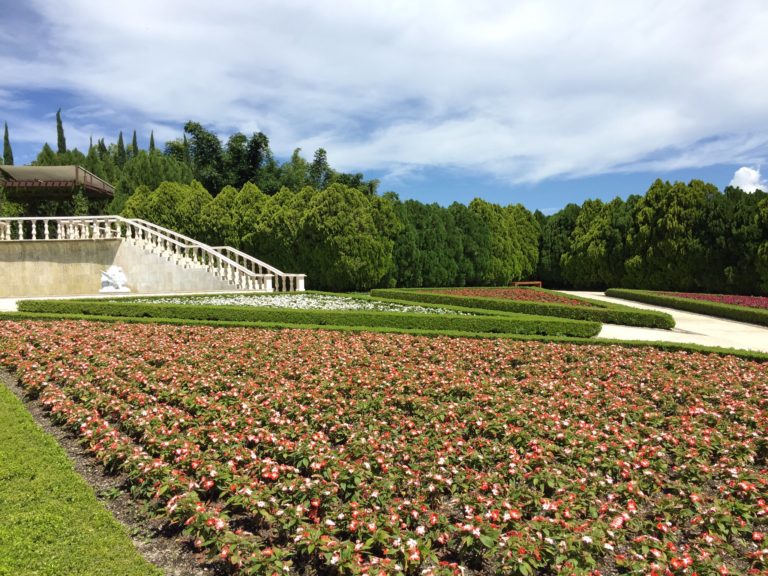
x: 121, y: 155
x: 134, y: 146
x: 152, y: 141
x: 62, y: 142
x: 7, y: 152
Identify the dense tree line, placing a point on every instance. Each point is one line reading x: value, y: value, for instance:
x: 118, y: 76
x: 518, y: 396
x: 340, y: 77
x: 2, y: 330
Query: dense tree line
x: 676, y: 237
x: 305, y: 216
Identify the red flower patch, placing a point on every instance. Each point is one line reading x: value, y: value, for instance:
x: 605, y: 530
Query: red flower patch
x: 524, y: 294
x: 732, y: 299
x: 288, y: 451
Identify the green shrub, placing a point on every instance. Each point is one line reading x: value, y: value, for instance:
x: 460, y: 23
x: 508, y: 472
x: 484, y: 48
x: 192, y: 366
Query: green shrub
x: 508, y: 324
x: 599, y: 312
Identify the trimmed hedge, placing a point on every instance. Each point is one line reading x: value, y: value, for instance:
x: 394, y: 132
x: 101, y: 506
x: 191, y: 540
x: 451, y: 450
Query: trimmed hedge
x: 323, y: 318
x: 729, y: 311
x: 668, y: 346
x: 599, y: 312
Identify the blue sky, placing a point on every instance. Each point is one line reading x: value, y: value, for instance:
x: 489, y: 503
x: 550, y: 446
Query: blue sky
x: 542, y: 102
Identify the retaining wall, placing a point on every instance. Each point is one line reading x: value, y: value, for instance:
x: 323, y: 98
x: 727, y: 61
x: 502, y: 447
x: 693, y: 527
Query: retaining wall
x: 73, y: 268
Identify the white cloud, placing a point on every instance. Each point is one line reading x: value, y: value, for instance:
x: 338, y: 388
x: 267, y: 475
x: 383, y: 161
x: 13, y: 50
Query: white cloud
x: 524, y: 90
x: 749, y: 180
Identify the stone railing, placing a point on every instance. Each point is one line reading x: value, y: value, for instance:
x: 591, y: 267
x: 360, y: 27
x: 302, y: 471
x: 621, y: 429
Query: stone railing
x: 284, y: 282
x: 154, y: 238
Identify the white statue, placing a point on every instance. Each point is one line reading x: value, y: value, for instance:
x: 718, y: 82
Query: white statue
x: 113, y: 280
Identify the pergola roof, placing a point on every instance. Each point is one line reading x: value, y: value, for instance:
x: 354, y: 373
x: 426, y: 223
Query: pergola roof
x: 51, y: 182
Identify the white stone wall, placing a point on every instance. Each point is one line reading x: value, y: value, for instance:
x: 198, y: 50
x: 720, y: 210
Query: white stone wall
x: 73, y: 268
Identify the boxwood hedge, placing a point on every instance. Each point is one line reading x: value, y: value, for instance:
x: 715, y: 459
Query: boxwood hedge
x: 598, y: 312
x: 729, y: 311
x: 508, y: 324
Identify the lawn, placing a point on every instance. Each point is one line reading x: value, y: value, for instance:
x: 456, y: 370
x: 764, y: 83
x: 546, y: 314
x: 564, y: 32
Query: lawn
x: 50, y: 520
x: 320, y: 452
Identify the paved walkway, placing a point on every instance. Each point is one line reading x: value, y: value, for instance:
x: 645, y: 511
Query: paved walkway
x: 689, y: 328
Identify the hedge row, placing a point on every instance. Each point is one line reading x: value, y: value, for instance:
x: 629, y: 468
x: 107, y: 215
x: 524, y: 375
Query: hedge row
x: 283, y: 316
x: 668, y: 346
x: 729, y: 311
x: 599, y: 312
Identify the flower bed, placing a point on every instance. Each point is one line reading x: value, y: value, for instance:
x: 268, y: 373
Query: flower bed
x: 300, y: 451
x: 524, y: 294
x: 295, y: 302
x: 731, y: 299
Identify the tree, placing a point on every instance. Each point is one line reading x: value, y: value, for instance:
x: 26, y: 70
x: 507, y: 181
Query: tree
x: 134, y: 146
x: 61, y: 141
x: 666, y: 249
x: 46, y: 157
x: 474, y: 259
x: 319, y: 170
x: 510, y: 258
x: 339, y: 244
x: 178, y: 149
x: 237, y: 167
x: 761, y: 260
x: 597, y: 251
x: 555, y: 241
x: 151, y: 141
x: 121, y: 157
x: 405, y: 252
x: 206, y: 156
x: 173, y: 205
x: 7, y: 152
x: 294, y: 174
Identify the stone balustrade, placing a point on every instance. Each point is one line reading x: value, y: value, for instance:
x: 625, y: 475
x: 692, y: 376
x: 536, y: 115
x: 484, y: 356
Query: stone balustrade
x: 239, y: 269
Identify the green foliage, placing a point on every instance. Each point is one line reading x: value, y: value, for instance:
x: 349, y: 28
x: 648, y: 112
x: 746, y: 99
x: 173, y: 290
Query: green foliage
x: 514, y: 235
x: 61, y: 141
x: 599, y: 312
x: 339, y: 244
x: 52, y: 523
x: 676, y: 237
x: 7, y: 151
x: 121, y: 156
x: 173, y: 205
x: 508, y: 324
x: 739, y: 313
x: 206, y: 157
x: 597, y: 250
x: 665, y: 241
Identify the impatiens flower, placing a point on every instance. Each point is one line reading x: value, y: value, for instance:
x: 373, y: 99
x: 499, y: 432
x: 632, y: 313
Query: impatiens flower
x: 226, y: 430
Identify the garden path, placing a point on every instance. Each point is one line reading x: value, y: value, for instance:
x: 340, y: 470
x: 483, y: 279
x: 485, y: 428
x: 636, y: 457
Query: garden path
x: 689, y: 328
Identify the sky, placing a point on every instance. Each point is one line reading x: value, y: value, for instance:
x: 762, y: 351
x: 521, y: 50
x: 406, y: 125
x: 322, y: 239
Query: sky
x: 541, y: 102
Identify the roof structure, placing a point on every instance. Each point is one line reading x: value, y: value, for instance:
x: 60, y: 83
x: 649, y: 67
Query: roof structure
x: 23, y: 183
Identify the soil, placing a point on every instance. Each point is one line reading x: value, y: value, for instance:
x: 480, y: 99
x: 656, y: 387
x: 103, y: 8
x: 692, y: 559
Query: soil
x: 170, y: 551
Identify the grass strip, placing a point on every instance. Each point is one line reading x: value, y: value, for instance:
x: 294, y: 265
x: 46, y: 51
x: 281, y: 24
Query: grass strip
x: 728, y: 311
x: 599, y: 312
x: 52, y: 523
x: 507, y: 324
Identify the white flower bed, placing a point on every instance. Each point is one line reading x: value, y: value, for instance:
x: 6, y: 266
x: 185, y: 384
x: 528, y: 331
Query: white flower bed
x: 297, y: 302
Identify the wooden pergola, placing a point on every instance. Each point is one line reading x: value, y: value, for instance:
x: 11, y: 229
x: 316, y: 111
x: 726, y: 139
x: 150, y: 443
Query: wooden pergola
x: 25, y: 183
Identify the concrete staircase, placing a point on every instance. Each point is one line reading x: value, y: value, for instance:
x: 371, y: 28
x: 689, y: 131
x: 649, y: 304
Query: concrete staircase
x: 64, y: 256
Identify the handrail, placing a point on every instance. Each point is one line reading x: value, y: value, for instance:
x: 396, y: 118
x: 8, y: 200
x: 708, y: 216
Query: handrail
x: 106, y: 227
x: 284, y: 281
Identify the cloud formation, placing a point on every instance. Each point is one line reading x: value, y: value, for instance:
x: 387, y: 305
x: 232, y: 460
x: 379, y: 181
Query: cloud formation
x: 524, y: 91
x: 749, y: 180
